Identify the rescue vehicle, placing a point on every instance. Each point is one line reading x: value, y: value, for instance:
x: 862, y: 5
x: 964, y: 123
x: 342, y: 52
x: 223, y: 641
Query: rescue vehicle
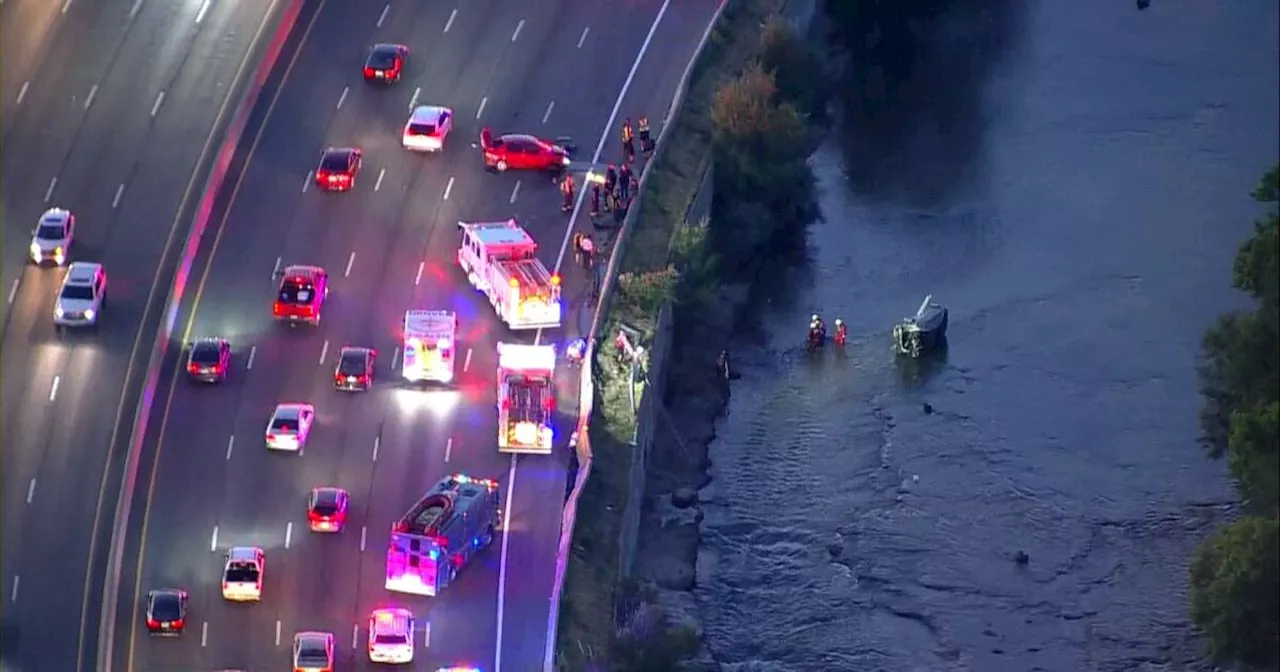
x: 242, y: 575
x: 429, y: 345
x: 434, y: 540
x: 500, y: 259
x: 391, y: 636
x: 525, y: 398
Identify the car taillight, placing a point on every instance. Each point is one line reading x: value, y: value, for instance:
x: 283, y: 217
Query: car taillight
x: 368, y: 72
x: 193, y: 368
x: 271, y: 437
x: 178, y: 623
x: 153, y: 623
x: 322, y: 174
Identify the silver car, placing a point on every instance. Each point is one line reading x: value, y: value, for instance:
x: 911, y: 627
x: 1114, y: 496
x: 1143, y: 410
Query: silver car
x: 51, y: 240
x: 84, y: 289
x: 289, y: 427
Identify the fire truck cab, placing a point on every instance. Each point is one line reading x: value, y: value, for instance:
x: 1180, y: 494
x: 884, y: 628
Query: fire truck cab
x: 457, y: 518
x: 430, y: 343
x: 526, y: 398
x: 500, y: 259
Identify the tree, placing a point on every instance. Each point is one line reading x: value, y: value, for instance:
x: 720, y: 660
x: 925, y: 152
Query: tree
x: 1235, y: 591
x: 1254, y: 456
x: 796, y: 71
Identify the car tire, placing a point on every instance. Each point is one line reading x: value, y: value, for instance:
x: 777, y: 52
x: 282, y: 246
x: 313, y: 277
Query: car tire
x: 487, y: 539
x: 501, y: 166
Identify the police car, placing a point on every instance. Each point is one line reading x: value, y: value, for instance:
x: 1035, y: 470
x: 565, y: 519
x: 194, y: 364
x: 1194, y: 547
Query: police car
x: 391, y: 636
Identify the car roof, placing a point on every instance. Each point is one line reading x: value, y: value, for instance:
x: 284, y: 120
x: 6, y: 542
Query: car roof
x: 166, y: 593
x: 391, y: 619
x: 55, y: 216
x: 508, y: 137
x: 425, y: 113
x: 338, y: 151
x: 82, y: 272
x: 244, y: 553
x: 386, y: 47
x: 290, y: 410
x: 354, y: 351
x: 328, y: 494
x: 302, y: 271
x: 312, y: 642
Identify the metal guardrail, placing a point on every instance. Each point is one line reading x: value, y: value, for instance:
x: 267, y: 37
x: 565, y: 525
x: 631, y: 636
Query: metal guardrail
x: 586, y: 398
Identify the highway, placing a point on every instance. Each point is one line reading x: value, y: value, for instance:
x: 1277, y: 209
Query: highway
x: 106, y: 107
x: 554, y: 67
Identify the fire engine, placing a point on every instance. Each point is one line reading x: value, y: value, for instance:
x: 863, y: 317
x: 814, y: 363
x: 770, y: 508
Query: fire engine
x: 500, y: 259
x: 429, y: 345
x: 434, y: 540
x: 525, y: 398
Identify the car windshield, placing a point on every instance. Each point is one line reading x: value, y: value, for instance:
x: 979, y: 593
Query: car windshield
x: 297, y: 294
x: 326, y: 503
x: 335, y: 162
x: 285, y: 422
x: 242, y: 573
x: 165, y: 607
x: 422, y: 129
x: 352, y: 364
x: 50, y: 232
x: 312, y: 653
x: 382, y: 57
x: 78, y: 292
x: 205, y: 353
x: 391, y: 639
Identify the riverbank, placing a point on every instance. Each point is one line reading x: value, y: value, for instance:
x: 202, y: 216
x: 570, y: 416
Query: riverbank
x: 638, y: 516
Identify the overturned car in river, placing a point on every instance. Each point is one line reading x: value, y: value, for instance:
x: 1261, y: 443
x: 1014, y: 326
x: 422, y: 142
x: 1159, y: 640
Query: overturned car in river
x: 923, y: 333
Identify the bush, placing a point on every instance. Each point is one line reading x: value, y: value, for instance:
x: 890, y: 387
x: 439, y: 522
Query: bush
x: 1235, y: 577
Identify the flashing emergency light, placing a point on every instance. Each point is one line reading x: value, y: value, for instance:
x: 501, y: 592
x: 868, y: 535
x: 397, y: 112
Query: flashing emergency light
x: 555, y: 280
x: 520, y: 357
x: 487, y: 482
x: 385, y: 618
x: 514, y: 282
x: 526, y: 433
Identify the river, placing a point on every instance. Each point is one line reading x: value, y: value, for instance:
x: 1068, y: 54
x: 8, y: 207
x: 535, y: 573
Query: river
x: 1071, y: 179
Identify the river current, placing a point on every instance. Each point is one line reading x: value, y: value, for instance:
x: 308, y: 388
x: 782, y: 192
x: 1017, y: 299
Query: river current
x: 1071, y: 179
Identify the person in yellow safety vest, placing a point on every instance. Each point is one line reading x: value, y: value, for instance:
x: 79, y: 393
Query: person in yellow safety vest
x: 628, y: 140
x: 646, y: 140
x: 566, y: 188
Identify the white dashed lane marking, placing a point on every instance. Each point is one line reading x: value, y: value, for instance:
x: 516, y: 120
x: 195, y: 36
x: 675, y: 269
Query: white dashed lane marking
x: 449, y: 24
x: 516, y: 34
x: 93, y: 91
x: 22, y: 93
x: 383, y: 16
x: 381, y: 174
x: 204, y: 9
x: 515, y: 192
x: 31, y: 490
x: 48, y: 193
x: 53, y: 392
x: 448, y: 188
x: 351, y: 260
x: 213, y: 540
x: 343, y: 98
x: 418, y: 278
x: 583, y: 39
x: 483, y: 101
x: 159, y: 101
x: 231, y: 444
x: 115, y: 202
x: 547, y: 115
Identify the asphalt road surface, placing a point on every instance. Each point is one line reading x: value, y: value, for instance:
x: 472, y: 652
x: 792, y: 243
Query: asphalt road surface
x: 106, y: 108
x: 553, y: 67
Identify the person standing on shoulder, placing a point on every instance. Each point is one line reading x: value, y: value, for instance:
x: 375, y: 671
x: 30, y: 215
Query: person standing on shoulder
x: 595, y: 200
x: 646, y: 140
x: 628, y: 141
x: 624, y: 183
x: 566, y: 188
x: 577, y: 246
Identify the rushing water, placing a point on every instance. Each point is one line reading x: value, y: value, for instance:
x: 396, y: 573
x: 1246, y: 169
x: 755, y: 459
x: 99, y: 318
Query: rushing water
x: 1071, y: 179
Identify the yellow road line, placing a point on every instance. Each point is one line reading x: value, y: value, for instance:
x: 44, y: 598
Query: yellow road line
x: 186, y: 334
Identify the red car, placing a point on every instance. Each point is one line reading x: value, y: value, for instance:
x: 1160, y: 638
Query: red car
x: 327, y: 509
x: 385, y: 63
x: 514, y: 151
x: 301, y: 295
x: 338, y: 168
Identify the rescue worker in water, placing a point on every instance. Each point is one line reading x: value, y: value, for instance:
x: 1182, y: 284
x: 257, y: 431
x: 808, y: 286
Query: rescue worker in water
x: 842, y: 332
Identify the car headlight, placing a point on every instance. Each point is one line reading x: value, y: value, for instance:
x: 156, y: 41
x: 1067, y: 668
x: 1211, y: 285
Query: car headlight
x: 89, y: 314
x: 57, y: 311
x: 35, y: 249
x: 565, y: 159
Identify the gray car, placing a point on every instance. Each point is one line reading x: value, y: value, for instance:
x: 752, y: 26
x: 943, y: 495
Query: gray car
x: 84, y: 289
x: 53, y: 235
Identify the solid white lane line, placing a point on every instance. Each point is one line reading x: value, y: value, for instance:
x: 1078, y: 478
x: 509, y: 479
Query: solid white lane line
x: 253, y: 350
x: 48, y: 193
x: 22, y: 93
x: 53, y: 392
x: 213, y: 541
x: 31, y: 490
x: 515, y: 192
x: 288, y: 534
x: 413, y: 102
x: 395, y: 358
x: 377, y: 441
x: 448, y: 449
x: 364, y: 535
x: 133, y: 11
x: 350, y: 260
x: 93, y: 91
x: 547, y: 115
x: 426, y: 635
x: 65, y: 6
x: 306, y: 184
x: 449, y: 24
x: 204, y: 9
x: 204, y: 634
x: 502, y: 565
x: 381, y: 174
x: 13, y: 594
x: 483, y: 101
x: 584, y: 36
x: 13, y: 289
x: 159, y: 101
x: 418, y: 278
x: 115, y: 202
x: 277, y: 633
x: 448, y: 188
x: 383, y: 16
x: 231, y: 443
x: 343, y: 98
x: 324, y: 351
x: 519, y: 27
x: 355, y: 636
x: 466, y: 361
x: 276, y: 269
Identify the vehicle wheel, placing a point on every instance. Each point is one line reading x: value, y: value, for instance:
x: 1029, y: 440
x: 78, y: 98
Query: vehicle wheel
x: 453, y: 573
x: 502, y: 166
x: 487, y: 539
